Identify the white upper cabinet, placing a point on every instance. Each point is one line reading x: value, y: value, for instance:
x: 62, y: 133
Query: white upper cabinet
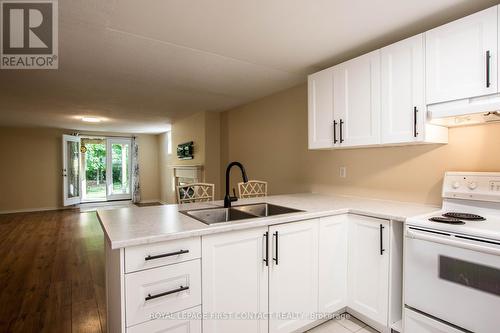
x: 400, y: 93
x: 461, y: 58
x: 402, y: 87
x: 320, y: 90
x: 356, y: 100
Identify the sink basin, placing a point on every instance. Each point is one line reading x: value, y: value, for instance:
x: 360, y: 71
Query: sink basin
x: 217, y: 215
x: 265, y: 209
x: 221, y: 215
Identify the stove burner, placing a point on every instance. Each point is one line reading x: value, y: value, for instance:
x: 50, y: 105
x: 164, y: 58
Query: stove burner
x: 449, y: 220
x: 464, y: 216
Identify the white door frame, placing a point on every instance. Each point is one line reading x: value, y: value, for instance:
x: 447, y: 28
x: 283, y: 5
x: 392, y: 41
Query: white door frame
x: 74, y: 200
x: 109, y: 168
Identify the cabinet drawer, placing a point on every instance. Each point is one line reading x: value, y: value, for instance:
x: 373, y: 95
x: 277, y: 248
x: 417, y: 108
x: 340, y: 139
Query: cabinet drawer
x: 154, y: 255
x: 164, y: 289
x: 187, y: 322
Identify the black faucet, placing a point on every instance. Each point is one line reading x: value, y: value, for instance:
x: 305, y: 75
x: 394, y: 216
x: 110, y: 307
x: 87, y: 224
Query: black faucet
x: 227, y: 198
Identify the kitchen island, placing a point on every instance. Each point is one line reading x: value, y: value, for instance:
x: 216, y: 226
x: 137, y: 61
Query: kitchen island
x: 339, y: 253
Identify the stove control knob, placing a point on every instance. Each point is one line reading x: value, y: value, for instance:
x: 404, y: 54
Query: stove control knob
x: 455, y: 185
x: 472, y: 185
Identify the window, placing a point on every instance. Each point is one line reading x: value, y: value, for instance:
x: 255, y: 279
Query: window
x: 169, y: 142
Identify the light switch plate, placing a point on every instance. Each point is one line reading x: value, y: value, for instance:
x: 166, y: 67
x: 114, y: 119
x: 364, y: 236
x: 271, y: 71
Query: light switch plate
x: 343, y: 172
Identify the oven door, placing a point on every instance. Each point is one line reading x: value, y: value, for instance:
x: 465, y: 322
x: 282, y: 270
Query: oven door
x: 454, y: 279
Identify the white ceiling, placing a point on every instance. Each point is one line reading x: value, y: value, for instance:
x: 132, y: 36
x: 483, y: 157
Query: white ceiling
x: 143, y: 64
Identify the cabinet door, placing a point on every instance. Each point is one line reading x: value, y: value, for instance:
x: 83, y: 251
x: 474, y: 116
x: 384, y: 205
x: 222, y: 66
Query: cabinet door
x: 457, y: 58
x: 368, y: 267
x: 332, y: 263
x: 320, y: 113
x: 402, y: 78
x: 356, y: 95
x: 235, y: 280
x: 293, y: 277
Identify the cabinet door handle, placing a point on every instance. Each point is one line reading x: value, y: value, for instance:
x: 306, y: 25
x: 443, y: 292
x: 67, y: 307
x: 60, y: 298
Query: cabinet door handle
x: 415, y: 122
x: 176, y: 253
x: 335, y: 132
x: 266, y: 255
x: 275, y: 259
x: 488, y: 60
x: 341, y: 125
x: 381, y: 240
x: 150, y: 297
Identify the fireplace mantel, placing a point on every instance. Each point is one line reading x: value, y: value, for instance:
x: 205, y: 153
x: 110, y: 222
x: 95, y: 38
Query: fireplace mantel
x: 185, y: 174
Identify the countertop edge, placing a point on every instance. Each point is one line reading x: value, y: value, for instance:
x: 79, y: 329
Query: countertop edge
x: 252, y: 223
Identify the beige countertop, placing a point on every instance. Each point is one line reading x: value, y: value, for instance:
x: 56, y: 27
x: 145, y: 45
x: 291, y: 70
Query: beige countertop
x: 131, y: 226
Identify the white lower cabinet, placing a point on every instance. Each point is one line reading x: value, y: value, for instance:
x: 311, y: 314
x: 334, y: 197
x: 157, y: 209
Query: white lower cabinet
x: 368, y: 267
x: 332, y: 263
x: 165, y: 289
x: 188, y: 321
x: 235, y: 280
x: 272, y: 279
x: 293, y: 277
x: 315, y: 266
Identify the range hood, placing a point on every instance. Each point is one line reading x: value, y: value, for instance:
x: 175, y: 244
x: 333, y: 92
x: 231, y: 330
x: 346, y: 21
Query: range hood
x: 469, y: 111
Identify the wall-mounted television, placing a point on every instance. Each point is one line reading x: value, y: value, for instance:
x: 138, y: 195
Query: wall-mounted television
x: 185, y: 151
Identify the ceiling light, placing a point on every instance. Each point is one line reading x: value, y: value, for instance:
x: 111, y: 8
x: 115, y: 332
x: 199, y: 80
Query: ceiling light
x: 91, y: 119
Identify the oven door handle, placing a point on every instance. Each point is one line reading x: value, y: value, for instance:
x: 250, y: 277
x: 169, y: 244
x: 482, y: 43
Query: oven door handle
x: 449, y: 240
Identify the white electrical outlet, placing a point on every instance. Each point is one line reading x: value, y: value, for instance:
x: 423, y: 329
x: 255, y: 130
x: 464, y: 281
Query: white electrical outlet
x: 343, y: 172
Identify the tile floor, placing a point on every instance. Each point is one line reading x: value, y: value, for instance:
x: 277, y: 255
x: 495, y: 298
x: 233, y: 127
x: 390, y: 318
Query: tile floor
x: 346, y: 324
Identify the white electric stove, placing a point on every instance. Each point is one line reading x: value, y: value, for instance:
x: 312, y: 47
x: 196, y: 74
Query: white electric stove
x: 452, y: 259
x: 471, y: 206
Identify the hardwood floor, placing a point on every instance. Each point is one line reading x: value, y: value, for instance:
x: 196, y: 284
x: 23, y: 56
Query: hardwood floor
x: 52, y: 272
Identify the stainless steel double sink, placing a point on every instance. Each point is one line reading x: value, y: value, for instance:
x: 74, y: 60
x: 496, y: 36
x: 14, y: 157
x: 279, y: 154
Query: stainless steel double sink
x: 236, y: 213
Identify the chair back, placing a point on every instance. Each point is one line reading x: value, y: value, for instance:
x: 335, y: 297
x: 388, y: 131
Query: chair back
x: 195, y: 192
x: 252, y: 189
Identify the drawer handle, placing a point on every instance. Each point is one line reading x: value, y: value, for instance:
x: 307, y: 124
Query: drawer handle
x: 150, y: 257
x: 181, y: 288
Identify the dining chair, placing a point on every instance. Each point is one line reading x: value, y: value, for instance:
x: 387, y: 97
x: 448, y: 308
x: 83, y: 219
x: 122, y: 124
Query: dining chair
x: 195, y: 192
x: 252, y: 189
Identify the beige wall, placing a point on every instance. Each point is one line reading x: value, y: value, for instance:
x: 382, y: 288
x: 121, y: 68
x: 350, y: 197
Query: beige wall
x: 30, y: 168
x: 213, y: 151
x: 149, y: 171
x: 190, y: 129
x: 166, y: 175
x: 203, y: 129
x: 270, y: 137
x: 31, y: 163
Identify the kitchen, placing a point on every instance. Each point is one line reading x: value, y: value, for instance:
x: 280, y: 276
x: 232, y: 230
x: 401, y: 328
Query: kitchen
x: 337, y: 266
x: 377, y: 207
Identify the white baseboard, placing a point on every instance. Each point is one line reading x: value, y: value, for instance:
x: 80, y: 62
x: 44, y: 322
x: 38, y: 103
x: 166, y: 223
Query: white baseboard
x: 33, y: 210
x: 150, y: 201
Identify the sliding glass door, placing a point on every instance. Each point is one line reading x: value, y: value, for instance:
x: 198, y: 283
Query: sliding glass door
x: 96, y: 169
x: 119, y: 165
